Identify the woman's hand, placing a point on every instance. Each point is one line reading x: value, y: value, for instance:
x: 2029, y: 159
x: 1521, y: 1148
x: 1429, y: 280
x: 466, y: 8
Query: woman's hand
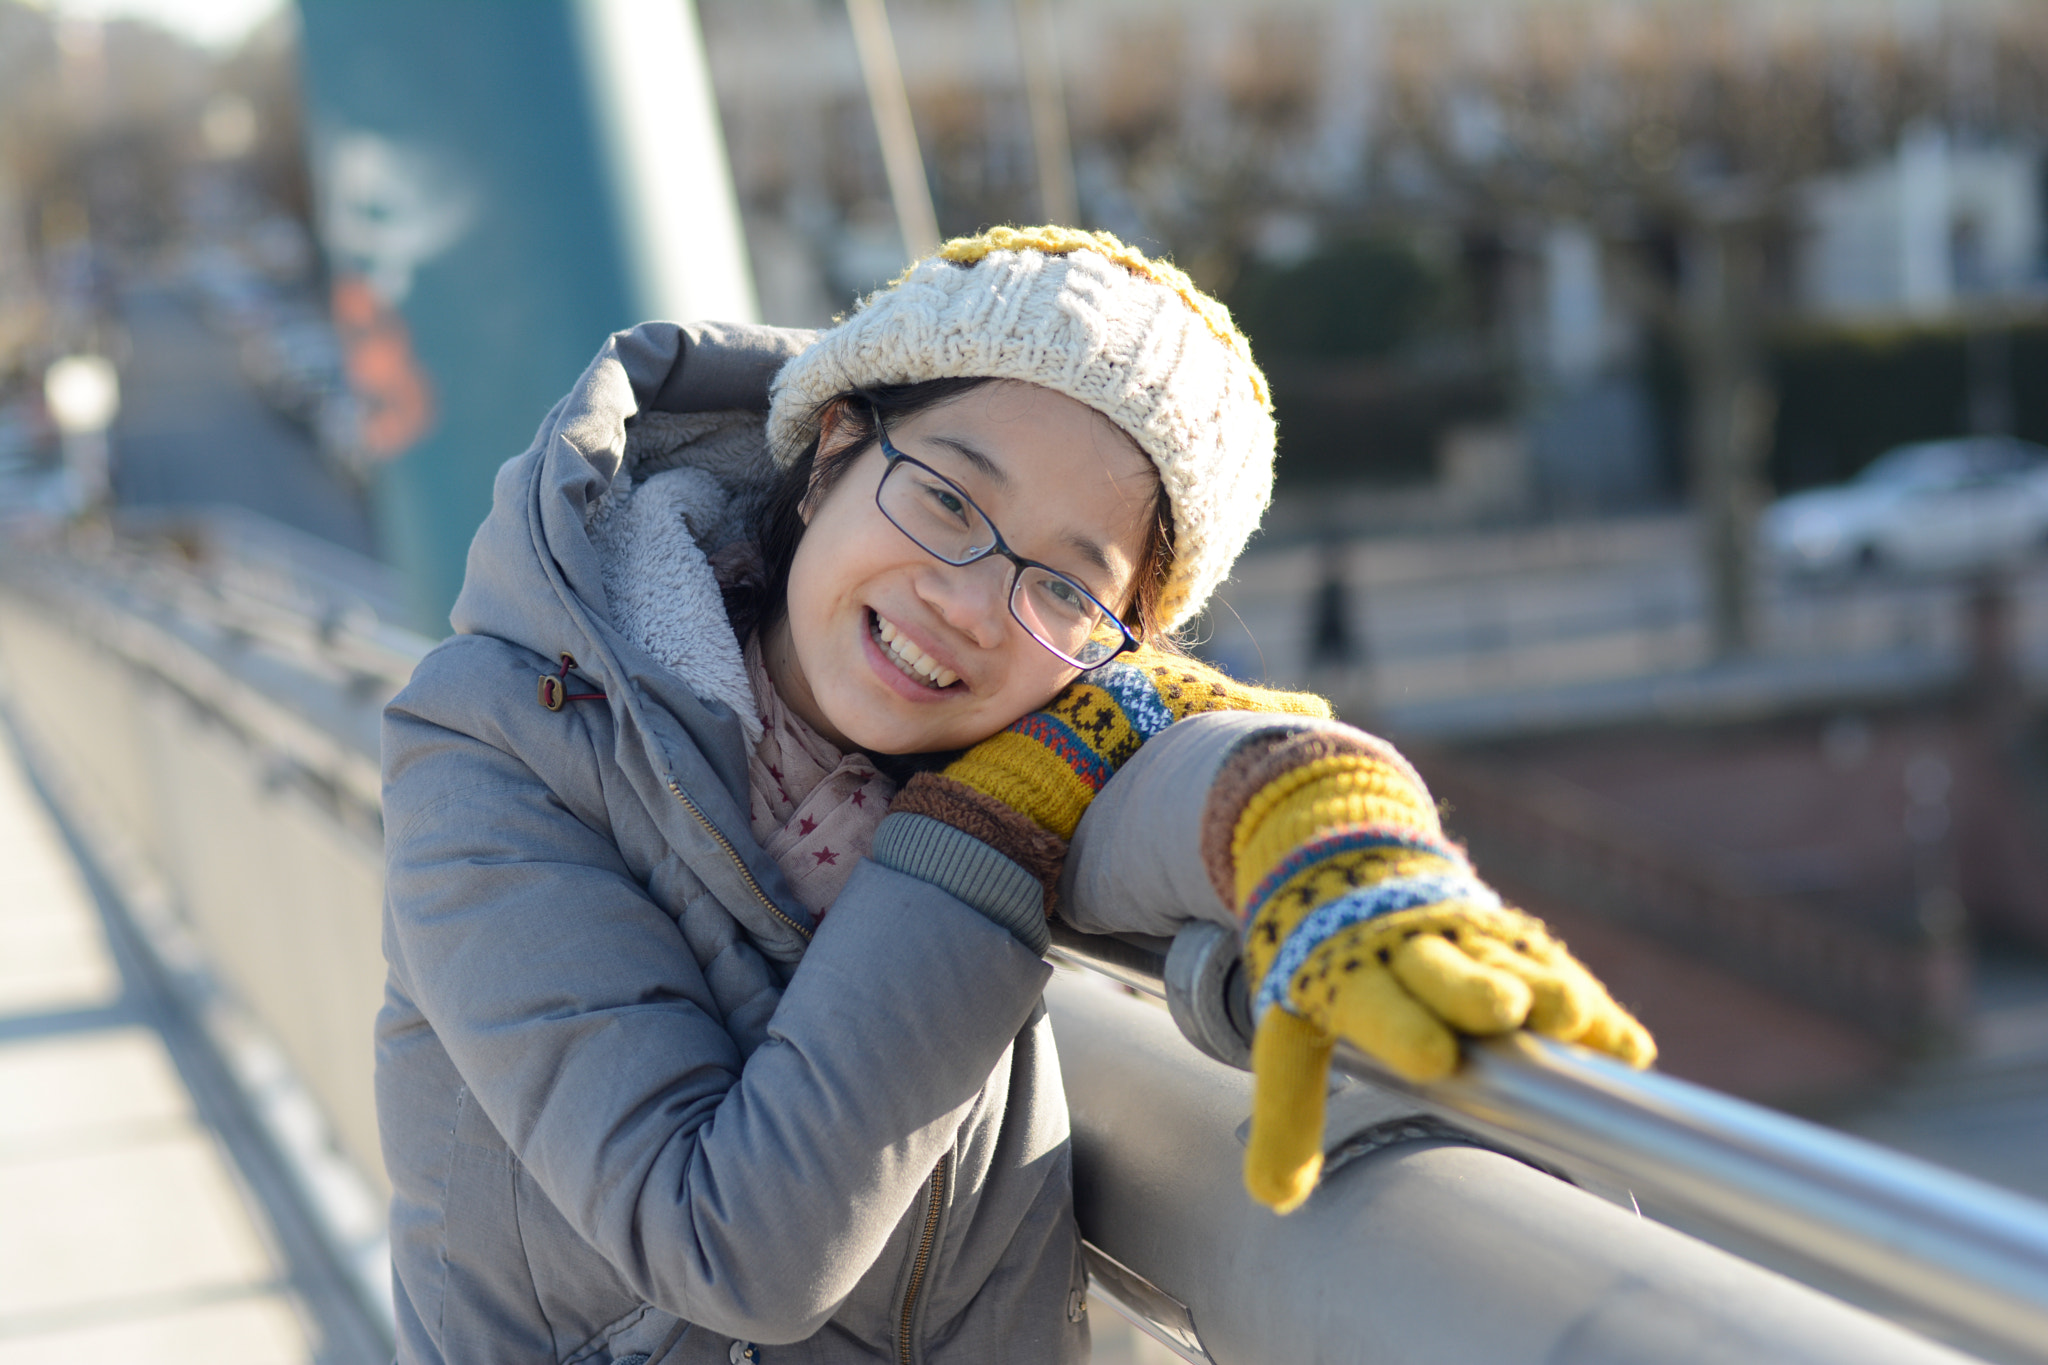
x: 1362, y: 922
x: 1050, y: 764
x: 1022, y: 792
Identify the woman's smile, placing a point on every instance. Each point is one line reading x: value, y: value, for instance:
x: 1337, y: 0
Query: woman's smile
x: 908, y: 657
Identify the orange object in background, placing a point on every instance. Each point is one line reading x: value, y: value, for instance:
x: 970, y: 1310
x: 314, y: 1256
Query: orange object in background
x: 396, y: 396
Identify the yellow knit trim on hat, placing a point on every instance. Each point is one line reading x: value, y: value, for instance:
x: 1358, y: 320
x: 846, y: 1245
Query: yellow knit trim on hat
x: 1059, y: 241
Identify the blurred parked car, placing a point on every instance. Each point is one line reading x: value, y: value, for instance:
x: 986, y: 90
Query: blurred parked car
x: 1967, y: 503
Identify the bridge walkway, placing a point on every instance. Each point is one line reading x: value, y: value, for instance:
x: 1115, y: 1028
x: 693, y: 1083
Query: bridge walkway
x: 145, y: 1218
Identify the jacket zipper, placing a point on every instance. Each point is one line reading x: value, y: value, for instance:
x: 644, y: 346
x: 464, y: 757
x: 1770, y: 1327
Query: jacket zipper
x: 745, y: 873
x: 924, y: 1256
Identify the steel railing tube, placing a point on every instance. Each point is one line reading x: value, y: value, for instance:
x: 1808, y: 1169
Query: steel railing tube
x: 1954, y: 1250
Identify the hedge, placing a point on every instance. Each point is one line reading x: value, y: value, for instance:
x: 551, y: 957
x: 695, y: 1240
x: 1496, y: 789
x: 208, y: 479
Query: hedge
x: 1846, y: 394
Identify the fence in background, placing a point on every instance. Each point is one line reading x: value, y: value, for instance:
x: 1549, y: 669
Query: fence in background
x: 1465, y: 634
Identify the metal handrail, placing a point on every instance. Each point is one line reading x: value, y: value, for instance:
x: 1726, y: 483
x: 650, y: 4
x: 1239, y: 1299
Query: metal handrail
x: 1951, y: 1249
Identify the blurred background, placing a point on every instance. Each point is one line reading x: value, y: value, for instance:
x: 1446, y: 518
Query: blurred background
x: 1657, y: 383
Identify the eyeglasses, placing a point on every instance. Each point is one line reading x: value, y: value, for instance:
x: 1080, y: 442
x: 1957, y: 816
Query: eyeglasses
x: 945, y: 523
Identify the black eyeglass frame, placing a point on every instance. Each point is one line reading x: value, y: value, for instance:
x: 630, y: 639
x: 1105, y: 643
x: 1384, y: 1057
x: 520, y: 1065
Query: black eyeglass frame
x: 1001, y: 547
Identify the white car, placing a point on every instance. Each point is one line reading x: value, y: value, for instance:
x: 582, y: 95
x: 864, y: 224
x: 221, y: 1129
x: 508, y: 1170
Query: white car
x: 1968, y: 503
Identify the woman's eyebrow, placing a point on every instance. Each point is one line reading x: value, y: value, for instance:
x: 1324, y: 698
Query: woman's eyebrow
x: 1091, y: 552
x: 983, y: 464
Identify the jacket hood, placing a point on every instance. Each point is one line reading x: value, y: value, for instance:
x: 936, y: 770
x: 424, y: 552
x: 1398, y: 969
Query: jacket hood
x: 602, y: 531
x: 689, y: 490
x: 598, y: 540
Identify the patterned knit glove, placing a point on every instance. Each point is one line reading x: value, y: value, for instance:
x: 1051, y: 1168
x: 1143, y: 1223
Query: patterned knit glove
x: 1362, y: 921
x: 1024, y: 790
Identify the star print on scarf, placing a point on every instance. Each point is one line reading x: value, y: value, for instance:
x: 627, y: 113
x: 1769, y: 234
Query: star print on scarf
x: 808, y: 802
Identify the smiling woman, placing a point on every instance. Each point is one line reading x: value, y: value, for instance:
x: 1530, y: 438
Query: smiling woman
x: 713, y: 1019
x: 868, y: 606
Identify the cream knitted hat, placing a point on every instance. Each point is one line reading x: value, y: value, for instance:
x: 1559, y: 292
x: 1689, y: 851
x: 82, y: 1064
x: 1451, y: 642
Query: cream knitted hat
x: 1084, y: 315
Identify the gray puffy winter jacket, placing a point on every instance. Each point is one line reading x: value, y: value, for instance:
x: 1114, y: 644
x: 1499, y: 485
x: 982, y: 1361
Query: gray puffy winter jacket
x: 634, y: 1103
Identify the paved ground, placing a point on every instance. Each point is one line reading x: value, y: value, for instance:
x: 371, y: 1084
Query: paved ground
x: 134, y: 1227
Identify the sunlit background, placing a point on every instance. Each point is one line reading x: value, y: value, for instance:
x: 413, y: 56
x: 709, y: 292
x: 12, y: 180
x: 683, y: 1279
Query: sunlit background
x: 1656, y: 385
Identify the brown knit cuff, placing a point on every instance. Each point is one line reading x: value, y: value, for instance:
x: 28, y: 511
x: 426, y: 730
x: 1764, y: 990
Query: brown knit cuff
x: 1257, y: 762
x: 1017, y: 837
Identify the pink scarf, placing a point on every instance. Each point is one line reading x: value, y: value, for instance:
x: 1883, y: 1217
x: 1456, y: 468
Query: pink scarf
x: 814, y: 809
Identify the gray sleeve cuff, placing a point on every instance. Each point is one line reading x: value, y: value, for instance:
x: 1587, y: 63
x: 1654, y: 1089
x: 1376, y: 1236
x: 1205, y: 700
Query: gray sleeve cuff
x: 935, y: 852
x: 1135, y: 865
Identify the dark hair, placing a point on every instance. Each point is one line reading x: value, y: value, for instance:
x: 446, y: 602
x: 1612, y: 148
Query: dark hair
x: 759, y: 602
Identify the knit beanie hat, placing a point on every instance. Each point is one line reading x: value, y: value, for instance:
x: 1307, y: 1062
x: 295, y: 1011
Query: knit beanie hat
x: 1084, y: 315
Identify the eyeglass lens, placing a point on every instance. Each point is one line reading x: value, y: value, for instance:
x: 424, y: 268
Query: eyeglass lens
x: 1056, y: 611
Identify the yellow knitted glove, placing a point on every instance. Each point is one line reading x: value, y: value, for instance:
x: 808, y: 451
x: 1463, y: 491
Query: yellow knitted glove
x: 1363, y: 922
x: 1049, y: 765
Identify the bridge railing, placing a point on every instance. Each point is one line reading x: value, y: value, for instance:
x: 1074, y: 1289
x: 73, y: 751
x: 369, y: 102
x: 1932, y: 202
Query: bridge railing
x: 213, y: 743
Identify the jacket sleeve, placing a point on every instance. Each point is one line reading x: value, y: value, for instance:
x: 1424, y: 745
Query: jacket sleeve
x: 1135, y: 865
x: 748, y: 1197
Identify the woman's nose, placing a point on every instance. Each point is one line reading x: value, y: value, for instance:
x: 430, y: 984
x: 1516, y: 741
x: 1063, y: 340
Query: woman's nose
x: 971, y: 598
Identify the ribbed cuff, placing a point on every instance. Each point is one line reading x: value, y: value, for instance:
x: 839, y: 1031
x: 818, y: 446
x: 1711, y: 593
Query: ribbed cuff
x: 1261, y: 759
x: 953, y: 861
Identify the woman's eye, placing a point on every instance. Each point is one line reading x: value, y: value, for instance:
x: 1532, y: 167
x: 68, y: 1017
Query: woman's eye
x: 946, y: 500
x: 1065, y: 595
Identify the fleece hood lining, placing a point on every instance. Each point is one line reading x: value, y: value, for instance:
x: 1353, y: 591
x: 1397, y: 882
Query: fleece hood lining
x: 689, y: 485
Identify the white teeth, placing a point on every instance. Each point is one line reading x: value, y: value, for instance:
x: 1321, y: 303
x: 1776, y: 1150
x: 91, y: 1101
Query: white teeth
x: 908, y: 657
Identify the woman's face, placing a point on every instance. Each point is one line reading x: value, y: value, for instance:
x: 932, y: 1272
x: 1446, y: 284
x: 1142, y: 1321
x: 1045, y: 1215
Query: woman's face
x: 1063, y: 486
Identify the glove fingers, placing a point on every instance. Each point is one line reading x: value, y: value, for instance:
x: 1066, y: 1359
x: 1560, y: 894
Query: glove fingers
x: 1570, y: 1003
x: 1560, y: 1005
x: 1615, y: 1031
x: 1369, y: 1008
x: 1290, y: 1079
x: 1470, y: 995
x: 1604, y: 1025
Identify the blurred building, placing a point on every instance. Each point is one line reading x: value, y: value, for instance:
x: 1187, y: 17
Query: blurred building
x: 1934, y: 226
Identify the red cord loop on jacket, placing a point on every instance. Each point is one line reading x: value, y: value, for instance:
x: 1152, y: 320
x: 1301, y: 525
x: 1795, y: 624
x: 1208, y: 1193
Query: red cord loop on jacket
x: 554, y: 690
